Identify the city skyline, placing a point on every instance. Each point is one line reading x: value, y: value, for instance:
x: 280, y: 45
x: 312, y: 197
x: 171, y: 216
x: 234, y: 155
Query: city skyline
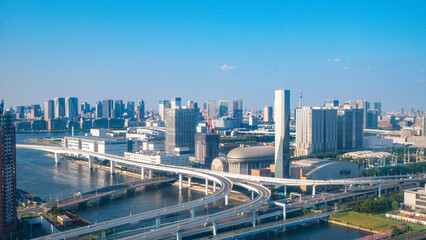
x: 155, y: 51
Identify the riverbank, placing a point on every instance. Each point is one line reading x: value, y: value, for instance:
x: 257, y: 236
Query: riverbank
x: 368, y: 223
x: 44, y: 141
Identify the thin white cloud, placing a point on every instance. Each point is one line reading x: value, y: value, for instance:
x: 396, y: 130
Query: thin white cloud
x: 337, y: 60
x: 368, y: 69
x: 226, y: 67
x: 422, y: 70
x: 346, y: 68
x: 329, y: 60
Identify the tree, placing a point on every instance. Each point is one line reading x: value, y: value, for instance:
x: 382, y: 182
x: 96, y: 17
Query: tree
x: 395, y: 230
x: 395, y: 205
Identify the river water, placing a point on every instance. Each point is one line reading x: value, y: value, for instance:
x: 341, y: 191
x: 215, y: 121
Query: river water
x: 39, y: 175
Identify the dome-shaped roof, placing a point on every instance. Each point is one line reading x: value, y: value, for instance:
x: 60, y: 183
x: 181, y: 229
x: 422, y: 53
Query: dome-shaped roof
x: 251, y: 154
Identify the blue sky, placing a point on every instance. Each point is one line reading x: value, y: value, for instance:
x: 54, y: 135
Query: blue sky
x: 200, y: 50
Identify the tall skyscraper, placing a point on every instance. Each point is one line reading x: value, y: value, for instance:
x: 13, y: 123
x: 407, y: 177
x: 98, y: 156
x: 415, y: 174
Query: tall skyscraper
x: 130, y: 109
x: 206, y: 148
x: 180, y: 129
x: 59, y: 107
x: 141, y: 110
x: 98, y: 110
x: 364, y: 105
x: 8, y: 203
x: 49, y: 109
x: 118, y: 109
x: 282, y: 133
x: 316, y: 131
x: 71, y: 107
x: 267, y: 114
x: 176, y: 102
x: 331, y: 103
x: 378, y: 106
x: 211, y: 109
x: 350, y: 129
x: 35, y: 111
x: 223, y: 108
x: 237, y: 111
x: 162, y: 107
x: 107, y: 108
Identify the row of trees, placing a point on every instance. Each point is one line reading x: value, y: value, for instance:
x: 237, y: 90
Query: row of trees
x: 248, y: 139
x: 380, y: 205
x: 410, y: 168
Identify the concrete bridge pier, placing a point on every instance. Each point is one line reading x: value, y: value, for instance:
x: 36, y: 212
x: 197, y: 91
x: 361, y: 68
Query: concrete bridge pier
x: 226, y: 200
x: 214, y: 186
x: 189, y: 182
x: 313, y: 190
x: 157, y: 222
x: 346, y: 188
x: 142, y: 173
x: 103, y: 235
x: 284, y: 212
x: 252, y: 195
x: 285, y: 189
x: 57, y: 158
x: 380, y: 190
x: 112, y: 163
x: 207, y: 186
x: 178, y: 235
x: 214, y: 228
x: 254, y: 218
x: 180, y: 181
x: 91, y: 160
x: 192, y: 213
x: 150, y: 174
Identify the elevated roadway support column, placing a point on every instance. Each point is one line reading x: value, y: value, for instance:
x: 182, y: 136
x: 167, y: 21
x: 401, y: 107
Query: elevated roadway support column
x: 180, y: 181
x: 380, y: 190
x: 313, y: 190
x: 346, y: 188
x: 192, y: 213
x: 189, y: 182
x: 214, y: 228
x: 284, y: 212
x: 150, y: 174
x: 103, y: 235
x: 91, y: 160
x: 178, y: 235
x: 57, y: 158
x: 207, y: 187
x: 226, y: 200
x: 157, y: 222
x: 142, y: 173
x: 254, y: 218
x: 112, y: 164
x: 214, y: 186
x: 285, y: 189
x: 252, y: 195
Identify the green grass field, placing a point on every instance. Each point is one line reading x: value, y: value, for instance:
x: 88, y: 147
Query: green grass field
x: 369, y: 222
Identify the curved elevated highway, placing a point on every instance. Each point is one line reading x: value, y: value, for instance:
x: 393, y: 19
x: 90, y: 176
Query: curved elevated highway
x: 263, y: 195
x: 226, y: 186
x: 217, y: 177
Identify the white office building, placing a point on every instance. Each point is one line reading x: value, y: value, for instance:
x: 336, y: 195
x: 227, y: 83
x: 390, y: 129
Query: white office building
x: 316, y: 131
x: 157, y: 157
x: 100, y: 145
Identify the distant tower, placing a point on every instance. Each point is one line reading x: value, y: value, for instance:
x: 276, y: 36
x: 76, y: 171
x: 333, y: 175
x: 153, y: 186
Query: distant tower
x: 300, y: 99
x: 282, y: 133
